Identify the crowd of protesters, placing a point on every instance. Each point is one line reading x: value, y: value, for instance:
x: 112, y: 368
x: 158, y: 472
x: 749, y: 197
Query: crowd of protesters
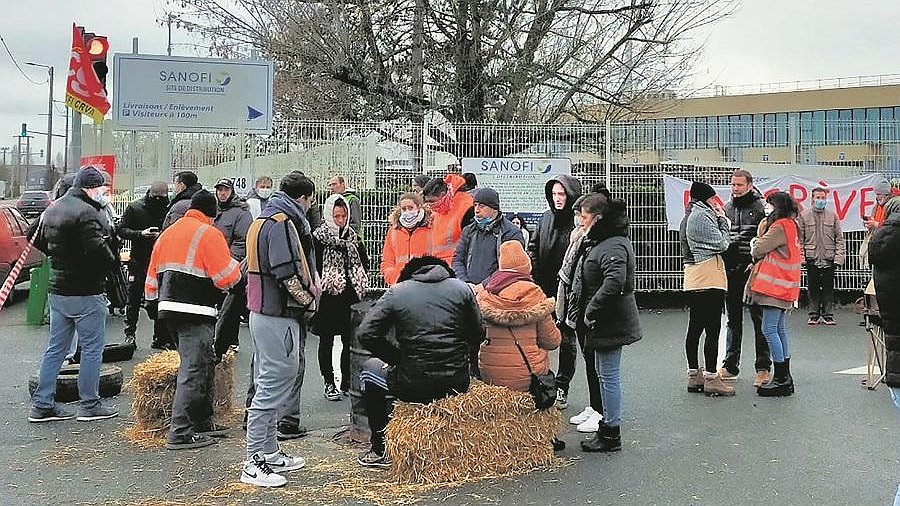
x: 472, y: 293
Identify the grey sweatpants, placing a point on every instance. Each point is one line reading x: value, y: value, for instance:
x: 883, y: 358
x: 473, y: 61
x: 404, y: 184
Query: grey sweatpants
x: 277, y: 348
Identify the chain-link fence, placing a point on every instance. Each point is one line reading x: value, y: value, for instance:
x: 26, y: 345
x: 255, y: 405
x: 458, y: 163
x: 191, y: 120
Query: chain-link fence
x: 379, y: 160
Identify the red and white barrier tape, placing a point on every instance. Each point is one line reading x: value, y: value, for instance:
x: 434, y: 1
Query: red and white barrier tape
x: 13, y: 275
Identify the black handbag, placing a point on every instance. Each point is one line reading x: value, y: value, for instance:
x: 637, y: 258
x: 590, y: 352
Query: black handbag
x: 543, y: 386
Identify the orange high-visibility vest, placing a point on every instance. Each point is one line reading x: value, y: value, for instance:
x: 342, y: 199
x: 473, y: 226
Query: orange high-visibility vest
x: 778, y: 275
x: 445, y: 228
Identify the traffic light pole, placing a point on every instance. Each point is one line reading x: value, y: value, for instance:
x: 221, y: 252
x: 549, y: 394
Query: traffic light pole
x: 50, y: 124
x: 75, y: 143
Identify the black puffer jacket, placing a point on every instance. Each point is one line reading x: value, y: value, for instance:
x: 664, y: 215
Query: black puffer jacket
x: 551, y: 239
x: 609, y: 314
x: 745, y: 213
x: 884, y: 249
x: 439, y: 330
x: 180, y: 204
x: 141, y: 214
x: 76, y: 237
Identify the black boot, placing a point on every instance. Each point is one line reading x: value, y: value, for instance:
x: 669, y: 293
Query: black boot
x: 787, y: 372
x: 778, y: 386
x: 606, y: 439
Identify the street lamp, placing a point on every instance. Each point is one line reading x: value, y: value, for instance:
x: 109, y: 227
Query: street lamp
x: 49, y: 111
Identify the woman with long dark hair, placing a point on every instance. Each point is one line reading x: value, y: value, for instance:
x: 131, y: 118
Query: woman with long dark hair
x: 774, y: 284
x: 601, y: 304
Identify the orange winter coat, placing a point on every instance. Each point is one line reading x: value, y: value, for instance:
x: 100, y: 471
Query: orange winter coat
x: 447, y: 228
x: 402, y: 244
x: 520, y: 312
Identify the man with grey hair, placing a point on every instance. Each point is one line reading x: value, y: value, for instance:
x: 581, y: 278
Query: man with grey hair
x: 141, y: 224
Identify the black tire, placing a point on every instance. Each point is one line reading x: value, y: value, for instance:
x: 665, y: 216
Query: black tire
x: 67, y: 382
x: 117, y: 352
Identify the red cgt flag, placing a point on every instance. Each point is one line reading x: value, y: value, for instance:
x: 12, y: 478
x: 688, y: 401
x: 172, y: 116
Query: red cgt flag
x: 84, y: 91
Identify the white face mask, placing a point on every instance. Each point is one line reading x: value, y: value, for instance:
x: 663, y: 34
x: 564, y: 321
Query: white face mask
x: 100, y: 196
x: 264, y: 193
x: 768, y: 208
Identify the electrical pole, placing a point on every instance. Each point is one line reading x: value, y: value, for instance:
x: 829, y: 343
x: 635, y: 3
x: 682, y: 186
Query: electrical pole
x: 49, y: 113
x: 169, y: 45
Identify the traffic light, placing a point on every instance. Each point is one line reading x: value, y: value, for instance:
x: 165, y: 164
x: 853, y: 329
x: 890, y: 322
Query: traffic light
x: 24, y: 130
x: 97, y: 46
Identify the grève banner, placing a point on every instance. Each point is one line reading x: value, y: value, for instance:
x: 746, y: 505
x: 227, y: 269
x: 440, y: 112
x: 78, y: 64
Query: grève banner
x: 851, y: 198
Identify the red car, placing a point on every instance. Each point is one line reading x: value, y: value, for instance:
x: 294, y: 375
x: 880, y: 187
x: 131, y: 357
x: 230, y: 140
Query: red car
x: 32, y: 203
x: 13, y: 231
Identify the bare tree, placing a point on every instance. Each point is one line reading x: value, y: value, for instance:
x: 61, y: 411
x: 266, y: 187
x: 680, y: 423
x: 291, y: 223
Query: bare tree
x: 470, y: 60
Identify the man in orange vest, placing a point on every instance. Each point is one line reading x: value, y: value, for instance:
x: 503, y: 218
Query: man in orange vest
x: 189, y: 268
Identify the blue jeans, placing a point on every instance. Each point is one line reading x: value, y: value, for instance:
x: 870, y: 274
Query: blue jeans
x: 895, y: 395
x: 86, y: 315
x: 774, y: 328
x: 608, y: 370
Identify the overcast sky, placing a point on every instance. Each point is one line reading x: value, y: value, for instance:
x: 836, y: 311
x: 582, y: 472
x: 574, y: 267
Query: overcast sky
x: 765, y: 41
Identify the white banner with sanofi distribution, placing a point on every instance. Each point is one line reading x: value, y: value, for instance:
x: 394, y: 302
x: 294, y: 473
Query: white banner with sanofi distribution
x: 519, y: 181
x: 182, y: 94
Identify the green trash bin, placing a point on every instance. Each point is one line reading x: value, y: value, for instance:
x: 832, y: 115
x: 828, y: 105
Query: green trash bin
x: 37, y: 293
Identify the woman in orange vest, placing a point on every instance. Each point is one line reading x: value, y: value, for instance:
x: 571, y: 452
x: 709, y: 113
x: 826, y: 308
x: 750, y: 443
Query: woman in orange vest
x: 451, y: 210
x: 775, y: 285
x: 408, y: 236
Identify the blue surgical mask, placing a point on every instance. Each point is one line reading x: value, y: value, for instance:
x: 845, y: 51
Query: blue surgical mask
x: 820, y: 204
x: 484, y: 221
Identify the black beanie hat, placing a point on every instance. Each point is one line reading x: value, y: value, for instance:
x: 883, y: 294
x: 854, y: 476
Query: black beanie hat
x: 88, y: 178
x: 701, y: 191
x: 487, y: 197
x: 205, y: 202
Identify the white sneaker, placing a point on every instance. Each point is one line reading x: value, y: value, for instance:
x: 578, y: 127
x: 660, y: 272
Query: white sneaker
x: 592, y: 424
x: 281, y: 462
x: 582, y: 417
x: 258, y: 472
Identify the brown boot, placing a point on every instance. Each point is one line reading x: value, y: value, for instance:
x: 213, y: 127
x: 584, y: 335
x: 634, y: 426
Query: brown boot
x: 714, y: 386
x: 761, y: 378
x: 695, y: 380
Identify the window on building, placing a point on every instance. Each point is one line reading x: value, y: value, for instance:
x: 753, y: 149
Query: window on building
x: 872, y: 118
x: 690, y: 133
x: 806, y: 127
x: 781, y: 129
x: 768, y: 130
x: 723, y: 131
x: 758, y: 130
x: 712, y: 131
x: 660, y: 134
x: 887, y: 123
x: 669, y: 142
x: 678, y: 133
x: 831, y: 127
x: 845, y: 130
x: 859, y: 125
x: 701, y: 132
x: 818, y: 127
x: 745, y: 130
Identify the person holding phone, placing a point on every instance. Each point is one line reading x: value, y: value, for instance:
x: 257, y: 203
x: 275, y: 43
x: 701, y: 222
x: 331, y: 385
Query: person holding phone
x: 141, y: 224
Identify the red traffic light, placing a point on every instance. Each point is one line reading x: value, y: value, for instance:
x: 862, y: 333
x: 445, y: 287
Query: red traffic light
x: 96, y: 46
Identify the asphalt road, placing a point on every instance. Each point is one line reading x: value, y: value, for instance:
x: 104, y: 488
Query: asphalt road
x: 833, y: 443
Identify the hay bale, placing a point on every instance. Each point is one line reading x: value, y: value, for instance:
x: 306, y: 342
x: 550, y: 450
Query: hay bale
x: 153, y: 384
x: 486, y: 432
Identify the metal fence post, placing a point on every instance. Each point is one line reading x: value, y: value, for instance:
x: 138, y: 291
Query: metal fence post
x: 608, y: 153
